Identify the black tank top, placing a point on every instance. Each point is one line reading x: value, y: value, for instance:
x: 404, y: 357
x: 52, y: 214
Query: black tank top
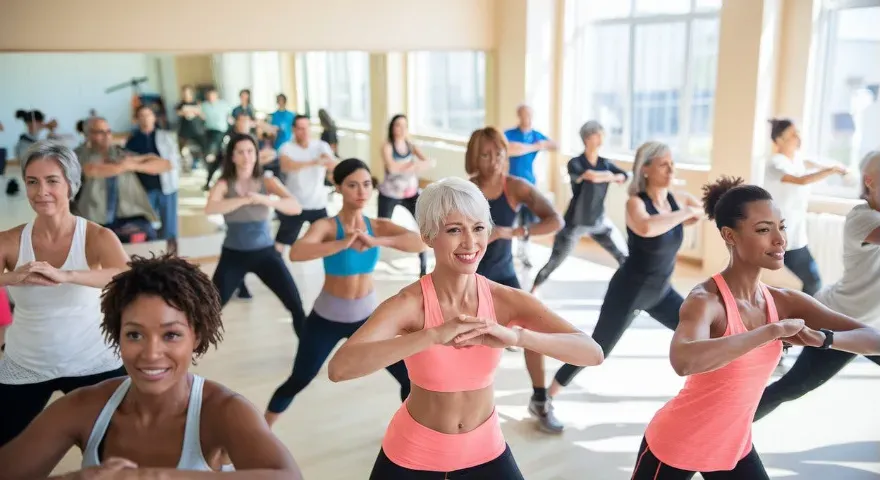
x: 654, y: 256
x: 498, y: 261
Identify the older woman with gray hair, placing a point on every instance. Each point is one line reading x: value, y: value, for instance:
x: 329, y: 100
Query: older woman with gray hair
x: 655, y: 220
x: 854, y: 295
x: 590, y: 176
x: 54, y: 268
x: 449, y: 427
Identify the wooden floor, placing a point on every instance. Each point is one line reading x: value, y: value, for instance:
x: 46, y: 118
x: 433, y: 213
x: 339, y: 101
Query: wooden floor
x: 334, y: 430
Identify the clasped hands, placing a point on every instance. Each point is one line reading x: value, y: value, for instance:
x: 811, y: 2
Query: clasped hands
x: 466, y: 331
x: 38, y: 274
x: 793, y: 331
x: 360, y: 241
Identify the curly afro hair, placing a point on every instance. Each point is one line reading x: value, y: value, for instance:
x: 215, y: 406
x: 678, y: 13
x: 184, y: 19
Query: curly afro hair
x: 180, y: 283
x: 724, y: 200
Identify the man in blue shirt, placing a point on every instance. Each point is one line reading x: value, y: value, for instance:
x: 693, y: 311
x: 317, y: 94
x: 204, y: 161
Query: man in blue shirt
x: 283, y: 120
x: 524, y: 143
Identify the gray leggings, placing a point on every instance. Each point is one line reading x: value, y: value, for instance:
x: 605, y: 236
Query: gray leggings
x: 603, y: 232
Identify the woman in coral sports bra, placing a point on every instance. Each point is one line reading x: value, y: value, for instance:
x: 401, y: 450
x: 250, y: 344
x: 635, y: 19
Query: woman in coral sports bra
x: 450, y: 328
x: 730, y: 337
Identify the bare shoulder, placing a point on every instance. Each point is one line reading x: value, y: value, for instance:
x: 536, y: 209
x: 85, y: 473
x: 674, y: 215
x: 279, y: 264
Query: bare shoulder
x: 784, y: 298
x: 98, y: 232
x: 408, y: 305
x: 704, y: 302
x: 10, y: 242
x: 219, y: 401
x: 510, y: 302
x: 84, y: 404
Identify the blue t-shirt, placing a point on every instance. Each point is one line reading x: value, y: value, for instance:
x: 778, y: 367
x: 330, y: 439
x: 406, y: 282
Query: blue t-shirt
x: 522, y: 166
x: 284, y: 120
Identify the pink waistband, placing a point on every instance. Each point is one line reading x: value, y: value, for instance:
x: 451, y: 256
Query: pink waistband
x: 412, y: 445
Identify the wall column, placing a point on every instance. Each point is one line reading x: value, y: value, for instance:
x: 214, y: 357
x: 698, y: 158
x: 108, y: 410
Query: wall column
x: 388, y: 97
x: 748, y: 50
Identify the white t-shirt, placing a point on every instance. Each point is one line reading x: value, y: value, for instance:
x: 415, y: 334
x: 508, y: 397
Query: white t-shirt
x: 792, y: 199
x: 856, y: 294
x: 307, y: 184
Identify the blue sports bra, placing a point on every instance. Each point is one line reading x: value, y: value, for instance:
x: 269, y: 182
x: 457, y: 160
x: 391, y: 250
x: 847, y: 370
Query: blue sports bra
x: 350, y: 261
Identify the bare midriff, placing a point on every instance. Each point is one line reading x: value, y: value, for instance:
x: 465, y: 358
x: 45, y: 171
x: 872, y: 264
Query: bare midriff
x: 451, y: 412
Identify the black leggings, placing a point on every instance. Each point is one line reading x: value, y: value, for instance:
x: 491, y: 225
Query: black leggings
x: 812, y: 368
x: 648, y: 467
x: 627, y: 295
x: 603, y: 233
x: 385, y: 208
x: 317, y: 340
x: 269, y: 267
x: 502, y: 467
x: 290, y: 225
x: 214, y: 141
x: 20, y: 404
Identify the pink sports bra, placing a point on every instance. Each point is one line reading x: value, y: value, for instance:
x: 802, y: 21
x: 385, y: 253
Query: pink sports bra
x: 447, y: 369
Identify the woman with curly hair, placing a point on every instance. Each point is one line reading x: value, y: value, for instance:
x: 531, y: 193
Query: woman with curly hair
x: 728, y: 341
x: 161, y: 315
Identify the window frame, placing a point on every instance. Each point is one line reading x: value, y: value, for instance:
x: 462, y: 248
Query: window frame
x: 819, y: 88
x: 416, y: 126
x: 632, y: 21
x: 312, y: 72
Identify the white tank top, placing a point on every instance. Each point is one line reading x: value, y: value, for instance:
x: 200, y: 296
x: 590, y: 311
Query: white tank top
x: 191, y: 457
x: 56, y: 330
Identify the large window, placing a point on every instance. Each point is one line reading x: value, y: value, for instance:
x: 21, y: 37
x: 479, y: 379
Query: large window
x: 448, y: 92
x: 338, y: 82
x: 646, y: 69
x: 844, y: 114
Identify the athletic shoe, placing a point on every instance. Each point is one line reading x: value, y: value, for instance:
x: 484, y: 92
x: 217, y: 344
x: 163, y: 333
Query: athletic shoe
x: 544, y: 411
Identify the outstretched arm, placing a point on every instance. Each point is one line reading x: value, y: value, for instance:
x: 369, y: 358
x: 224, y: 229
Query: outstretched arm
x: 389, y: 234
x: 544, y: 331
x: 849, y: 335
x: 693, y: 351
x: 645, y: 225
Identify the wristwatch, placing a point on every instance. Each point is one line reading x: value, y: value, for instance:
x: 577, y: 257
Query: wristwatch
x: 827, y: 343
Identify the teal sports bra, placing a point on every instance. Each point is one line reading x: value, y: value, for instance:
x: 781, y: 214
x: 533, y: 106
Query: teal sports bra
x: 350, y: 261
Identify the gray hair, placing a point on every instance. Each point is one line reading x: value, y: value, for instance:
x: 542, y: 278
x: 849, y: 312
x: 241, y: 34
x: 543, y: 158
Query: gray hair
x: 590, y: 128
x: 62, y: 154
x: 647, y: 152
x: 867, y: 165
x: 446, y: 196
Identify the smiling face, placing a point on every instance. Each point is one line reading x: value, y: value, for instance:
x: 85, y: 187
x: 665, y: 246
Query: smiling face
x: 356, y: 189
x: 156, y: 344
x: 760, y: 237
x: 47, y: 190
x: 460, y: 243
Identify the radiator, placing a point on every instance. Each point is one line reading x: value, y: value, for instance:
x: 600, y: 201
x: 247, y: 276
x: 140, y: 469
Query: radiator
x: 826, y: 242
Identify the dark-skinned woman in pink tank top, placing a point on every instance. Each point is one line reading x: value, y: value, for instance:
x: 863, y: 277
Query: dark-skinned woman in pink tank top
x: 731, y: 333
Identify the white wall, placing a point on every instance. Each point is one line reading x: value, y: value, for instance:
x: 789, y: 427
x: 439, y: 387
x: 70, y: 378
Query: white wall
x: 66, y: 86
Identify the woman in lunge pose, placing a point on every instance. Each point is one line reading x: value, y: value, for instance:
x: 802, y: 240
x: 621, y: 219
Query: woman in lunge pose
x: 855, y: 295
x: 54, y: 268
x: 655, y: 220
x: 161, y: 315
x: 245, y: 198
x: 450, y: 328
x: 349, y: 244
x: 486, y: 163
x: 590, y: 175
x: 728, y: 343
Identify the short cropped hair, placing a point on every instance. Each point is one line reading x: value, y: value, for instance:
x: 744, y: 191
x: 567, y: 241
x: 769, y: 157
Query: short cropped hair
x: 180, y: 283
x: 70, y: 165
x: 590, y: 128
x: 446, y: 196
